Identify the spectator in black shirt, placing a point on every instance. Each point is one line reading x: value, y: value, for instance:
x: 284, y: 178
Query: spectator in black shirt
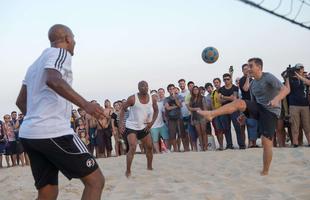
x: 228, y: 93
x: 299, y: 105
x: 251, y: 123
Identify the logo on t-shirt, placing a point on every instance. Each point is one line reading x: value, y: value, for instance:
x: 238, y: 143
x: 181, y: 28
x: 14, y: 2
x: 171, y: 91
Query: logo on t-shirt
x: 90, y: 162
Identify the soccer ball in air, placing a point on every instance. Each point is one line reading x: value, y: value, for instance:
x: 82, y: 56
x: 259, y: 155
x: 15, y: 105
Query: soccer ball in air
x: 210, y: 55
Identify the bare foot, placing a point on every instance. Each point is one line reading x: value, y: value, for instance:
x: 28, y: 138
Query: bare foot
x: 128, y: 174
x: 263, y: 173
x: 206, y: 114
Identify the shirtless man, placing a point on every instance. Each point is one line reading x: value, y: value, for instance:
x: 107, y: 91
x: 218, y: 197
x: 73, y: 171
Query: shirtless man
x: 142, y: 115
x: 92, y: 124
x: 103, y: 138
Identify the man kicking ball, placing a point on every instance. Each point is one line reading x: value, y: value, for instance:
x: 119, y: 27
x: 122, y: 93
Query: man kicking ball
x: 265, y: 105
x: 45, y: 99
x: 142, y: 115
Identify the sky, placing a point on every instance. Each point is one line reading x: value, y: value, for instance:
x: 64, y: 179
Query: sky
x: 119, y: 43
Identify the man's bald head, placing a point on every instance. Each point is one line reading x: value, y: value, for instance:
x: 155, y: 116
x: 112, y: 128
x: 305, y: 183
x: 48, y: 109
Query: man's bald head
x: 61, y: 36
x: 143, y: 87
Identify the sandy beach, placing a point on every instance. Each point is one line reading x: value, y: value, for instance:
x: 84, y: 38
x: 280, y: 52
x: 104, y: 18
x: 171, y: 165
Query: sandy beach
x: 231, y: 174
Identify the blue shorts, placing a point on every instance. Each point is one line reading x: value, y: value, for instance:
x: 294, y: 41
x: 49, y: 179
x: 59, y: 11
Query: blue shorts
x: 252, y: 129
x: 2, y: 148
x: 192, y: 132
x: 160, y: 131
x: 92, y: 136
x: 218, y: 123
x: 186, y: 121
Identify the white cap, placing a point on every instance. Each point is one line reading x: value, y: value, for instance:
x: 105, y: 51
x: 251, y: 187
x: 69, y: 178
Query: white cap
x: 299, y: 65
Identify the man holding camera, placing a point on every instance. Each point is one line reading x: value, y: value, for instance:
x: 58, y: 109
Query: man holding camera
x: 298, y: 102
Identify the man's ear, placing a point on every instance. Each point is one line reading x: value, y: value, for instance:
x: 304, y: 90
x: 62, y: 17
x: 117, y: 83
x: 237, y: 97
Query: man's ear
x: 68, y: 39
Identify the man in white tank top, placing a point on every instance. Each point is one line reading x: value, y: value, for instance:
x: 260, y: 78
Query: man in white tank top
x: 142, y: 115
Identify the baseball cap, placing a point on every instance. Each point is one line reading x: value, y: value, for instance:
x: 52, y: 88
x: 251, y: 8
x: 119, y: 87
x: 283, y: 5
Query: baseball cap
x: 299, y: 66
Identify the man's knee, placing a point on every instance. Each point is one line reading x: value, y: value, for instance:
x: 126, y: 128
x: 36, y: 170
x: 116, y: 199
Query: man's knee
x: 149, y: 147
x: 95, y: 180
x: 240, y: 104
x: 101, y: 181
x: 132, y: 148
x: 48, y: 192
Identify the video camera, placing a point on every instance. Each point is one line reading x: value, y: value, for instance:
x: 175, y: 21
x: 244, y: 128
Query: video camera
x: 289, y: 72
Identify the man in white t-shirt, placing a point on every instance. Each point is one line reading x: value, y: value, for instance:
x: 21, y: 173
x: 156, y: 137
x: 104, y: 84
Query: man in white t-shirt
x: 159, y: 128
x: 185, y: 114
x: 51, y: 144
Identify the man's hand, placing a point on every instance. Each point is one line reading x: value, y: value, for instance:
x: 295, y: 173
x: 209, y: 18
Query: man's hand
x: 300, y: 77
x: 121, y: 128
x: 148, y: 126
x: 241, y: 119
x: 274, y: 103
x: 95, y: 110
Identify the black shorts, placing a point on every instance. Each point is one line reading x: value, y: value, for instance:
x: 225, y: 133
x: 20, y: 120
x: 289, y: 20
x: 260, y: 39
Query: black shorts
x: 67, y: 154
x: 139, y: 133
x: 208, y: 128
x: 10, y: 149
x: 103, y: 140
x: 267, y: 121
x: 19, y: 147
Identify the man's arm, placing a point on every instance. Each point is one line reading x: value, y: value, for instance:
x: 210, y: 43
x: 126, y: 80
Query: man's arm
x: 130, y: 102
x: 177, y: 101
x: 223, y: 98
x: 246, y: 85
x: 155, y: 114
x: 21, y: 101
x: 55, y: 82
x: 168, y: 107
x: 155, y: 108
x: 303, y: 79
x: 284, y: 91
x: 113, y: 125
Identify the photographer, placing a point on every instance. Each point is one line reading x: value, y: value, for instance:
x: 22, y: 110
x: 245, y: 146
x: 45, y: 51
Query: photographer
x: 298, y: 103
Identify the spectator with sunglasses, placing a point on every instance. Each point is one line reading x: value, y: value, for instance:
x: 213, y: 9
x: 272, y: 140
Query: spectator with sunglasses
x: 228, y: 93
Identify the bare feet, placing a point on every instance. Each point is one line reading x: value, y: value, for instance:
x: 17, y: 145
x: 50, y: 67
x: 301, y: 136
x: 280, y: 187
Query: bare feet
x: 264, y: 173
x: 206, y: 114
x: 128, y: 174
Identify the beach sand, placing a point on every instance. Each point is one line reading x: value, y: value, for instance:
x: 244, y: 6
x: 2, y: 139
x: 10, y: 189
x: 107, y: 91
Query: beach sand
x: 230, y: 174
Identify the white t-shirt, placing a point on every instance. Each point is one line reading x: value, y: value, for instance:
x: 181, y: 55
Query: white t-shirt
x: 48, y: 114
x: 159, y: 122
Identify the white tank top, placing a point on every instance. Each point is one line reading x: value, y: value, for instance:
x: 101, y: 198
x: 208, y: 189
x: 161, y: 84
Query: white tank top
x: 139, y: 114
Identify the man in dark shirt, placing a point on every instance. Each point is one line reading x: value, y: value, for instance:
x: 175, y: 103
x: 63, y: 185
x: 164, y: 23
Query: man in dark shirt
x: 251, y: 123
x: 173, y: 111
x: 299, y: 105
x: 244, y: 83
x: 228, y: 93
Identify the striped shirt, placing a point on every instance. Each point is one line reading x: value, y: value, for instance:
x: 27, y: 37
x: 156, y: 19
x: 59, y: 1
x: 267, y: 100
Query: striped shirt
x: 48, y: 114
